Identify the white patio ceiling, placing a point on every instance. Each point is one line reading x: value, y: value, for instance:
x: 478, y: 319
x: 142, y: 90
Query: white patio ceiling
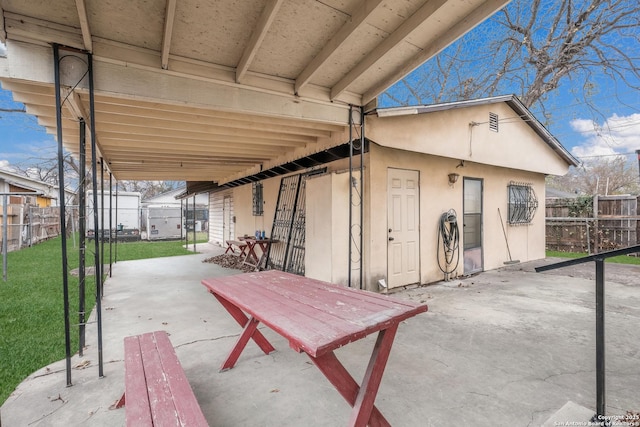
x: 202, y: 90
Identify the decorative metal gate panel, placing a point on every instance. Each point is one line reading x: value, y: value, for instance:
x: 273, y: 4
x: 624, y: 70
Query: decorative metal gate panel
x: 289, y: 226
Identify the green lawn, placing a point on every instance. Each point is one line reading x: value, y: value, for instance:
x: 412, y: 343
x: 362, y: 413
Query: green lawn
x: 622, y: 259
x: 31, y: 303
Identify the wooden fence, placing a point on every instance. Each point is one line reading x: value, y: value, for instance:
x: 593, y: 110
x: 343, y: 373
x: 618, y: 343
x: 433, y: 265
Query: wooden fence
x: 592, y: 224
x: 27, y: 225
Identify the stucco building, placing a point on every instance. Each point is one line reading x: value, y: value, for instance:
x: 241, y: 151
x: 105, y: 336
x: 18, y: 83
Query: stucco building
x: 479, y: 165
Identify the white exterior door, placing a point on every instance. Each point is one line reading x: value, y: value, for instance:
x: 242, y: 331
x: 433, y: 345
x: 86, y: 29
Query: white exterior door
x: 403, y: 235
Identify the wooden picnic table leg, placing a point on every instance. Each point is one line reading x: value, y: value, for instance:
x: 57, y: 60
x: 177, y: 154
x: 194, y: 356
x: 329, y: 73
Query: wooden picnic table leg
x: 250, y: 331
x: 361, y: 398
x: 372, y: 377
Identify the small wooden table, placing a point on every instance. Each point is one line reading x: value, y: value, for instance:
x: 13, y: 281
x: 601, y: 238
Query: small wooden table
x: 252, y: 258
x: 316, y: 318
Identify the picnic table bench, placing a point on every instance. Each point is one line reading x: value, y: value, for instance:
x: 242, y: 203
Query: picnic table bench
x: 241, y: 245
x: 157, y: 392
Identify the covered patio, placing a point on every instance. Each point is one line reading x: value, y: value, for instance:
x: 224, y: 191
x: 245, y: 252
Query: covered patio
x: 507, y: 347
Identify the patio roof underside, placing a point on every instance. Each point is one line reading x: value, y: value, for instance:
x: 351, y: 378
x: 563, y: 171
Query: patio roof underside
x: 218, y: 90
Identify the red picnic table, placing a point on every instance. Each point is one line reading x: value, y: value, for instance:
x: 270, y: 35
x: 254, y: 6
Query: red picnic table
x: 316, y: 318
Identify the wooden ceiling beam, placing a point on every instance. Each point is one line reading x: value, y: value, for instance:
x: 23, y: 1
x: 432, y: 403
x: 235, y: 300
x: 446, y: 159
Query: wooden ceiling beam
x: 84, y: 25
x: 257, y: 36
x: 169, y: 17
x: 394, y: 39
x: 363, y: 11
x: 457, y: 30
x: 109, y: 104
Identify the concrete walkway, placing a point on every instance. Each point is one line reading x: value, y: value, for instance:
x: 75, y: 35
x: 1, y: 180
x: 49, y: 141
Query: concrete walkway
x: 504, y: 348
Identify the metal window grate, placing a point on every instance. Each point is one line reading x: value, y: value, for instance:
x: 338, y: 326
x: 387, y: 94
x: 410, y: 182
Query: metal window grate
x: 493, y: 122
x: 523, y: 203
x: 257, y: 199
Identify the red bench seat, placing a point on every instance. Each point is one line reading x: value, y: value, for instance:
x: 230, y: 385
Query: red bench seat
x: 157, y: 392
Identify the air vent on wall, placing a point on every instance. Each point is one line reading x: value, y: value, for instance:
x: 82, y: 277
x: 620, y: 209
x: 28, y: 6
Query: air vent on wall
x: 493, y: 122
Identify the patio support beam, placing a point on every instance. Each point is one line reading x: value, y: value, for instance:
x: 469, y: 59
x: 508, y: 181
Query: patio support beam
x: 98, y: 253
x: 169, y: 17
x: 258, y: 35
x: 363, y: 11
x: 82, y: 212
x: 189, y: 86
x: 356, y: 237
x: 65, y: 273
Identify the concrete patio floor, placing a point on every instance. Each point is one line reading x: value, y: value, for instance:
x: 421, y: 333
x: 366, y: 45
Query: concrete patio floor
x: 508, y: 347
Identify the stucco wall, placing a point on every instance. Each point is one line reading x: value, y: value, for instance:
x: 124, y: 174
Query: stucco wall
x: 450, y: 133
x: 438, y: 196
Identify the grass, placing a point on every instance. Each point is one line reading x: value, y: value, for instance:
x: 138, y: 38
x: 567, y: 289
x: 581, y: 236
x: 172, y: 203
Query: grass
x: 31, y: 303
x: 621, y: 259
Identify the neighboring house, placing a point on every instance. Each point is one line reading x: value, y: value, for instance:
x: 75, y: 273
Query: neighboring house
x: 32, y: 209
x: 46, y: 194
x: 480, y: 164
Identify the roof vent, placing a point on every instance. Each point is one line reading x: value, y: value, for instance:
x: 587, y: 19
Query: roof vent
x: 493, y: 122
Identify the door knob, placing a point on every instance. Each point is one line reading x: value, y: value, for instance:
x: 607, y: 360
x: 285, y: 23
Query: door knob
x: 390, y: 238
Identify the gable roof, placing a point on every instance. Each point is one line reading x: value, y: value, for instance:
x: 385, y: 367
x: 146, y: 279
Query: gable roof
x: 511, y: 100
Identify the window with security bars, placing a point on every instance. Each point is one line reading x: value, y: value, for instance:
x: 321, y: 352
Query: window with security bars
x: 257, y: 199
x: 523, y: 203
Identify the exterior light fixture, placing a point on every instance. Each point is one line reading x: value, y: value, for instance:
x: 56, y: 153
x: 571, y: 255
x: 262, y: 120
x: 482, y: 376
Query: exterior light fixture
x: 453, y: 178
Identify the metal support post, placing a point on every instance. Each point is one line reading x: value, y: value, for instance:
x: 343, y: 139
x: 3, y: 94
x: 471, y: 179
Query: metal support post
x: 194, y: 223
x: 82, y: 207
x: 102, y: 225
x: 350, y: 191
x: 358, y: 185
x: 65, y: 277
x: 116, y: 249
x: 362, y: 142
x: 111, y: 221
x: 98, y: 257
x: 5, y: 235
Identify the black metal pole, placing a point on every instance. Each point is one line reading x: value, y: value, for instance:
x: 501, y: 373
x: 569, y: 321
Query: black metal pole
x: 350, y: 191
x: 116, y: 249
x: 361, y: 195
x: 65, y: 278
x: 600, y: 343
x: 98, y: 254
x: 82, y: 228
x: 102, y: 224
x: 194, y: 223
x: 111, y: 221
x: 186, y: 223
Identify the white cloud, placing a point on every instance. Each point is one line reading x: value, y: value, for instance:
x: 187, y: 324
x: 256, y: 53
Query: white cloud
x: 5, y: 165
x: 618, y: 134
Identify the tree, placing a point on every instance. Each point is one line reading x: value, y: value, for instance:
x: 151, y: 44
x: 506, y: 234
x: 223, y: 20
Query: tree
x: 529, y: 48
x: 606, y: 175
x: 148, y: 189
